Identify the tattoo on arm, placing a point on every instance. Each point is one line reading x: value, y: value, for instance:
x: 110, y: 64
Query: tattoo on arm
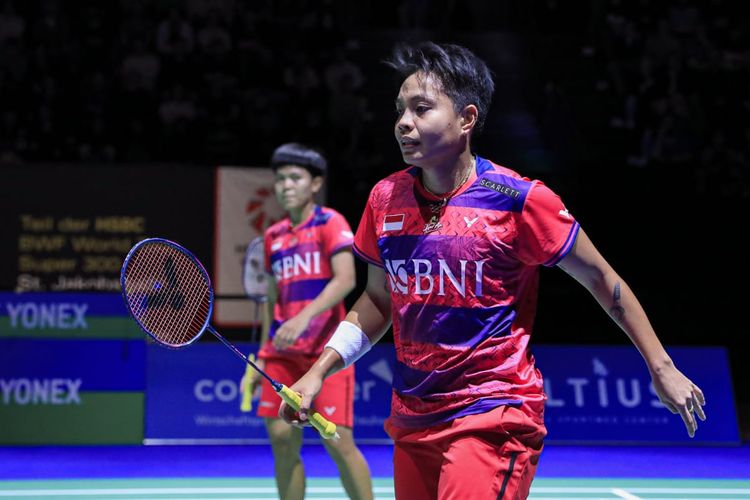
x: 617, y: 311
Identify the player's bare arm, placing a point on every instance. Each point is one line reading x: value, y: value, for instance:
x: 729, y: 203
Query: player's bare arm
x: 372, y: 314
x: 678, y: 393
x: 340, y: 285
x: 372, y: 311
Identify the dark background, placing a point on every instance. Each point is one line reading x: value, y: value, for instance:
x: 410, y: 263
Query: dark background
x: 635, y: 112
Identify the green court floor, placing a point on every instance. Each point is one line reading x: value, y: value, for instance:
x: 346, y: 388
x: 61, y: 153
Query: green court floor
x: 543, y: 488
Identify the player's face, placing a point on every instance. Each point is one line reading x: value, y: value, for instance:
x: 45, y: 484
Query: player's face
x: 428, y: 128
x: 295, y: 187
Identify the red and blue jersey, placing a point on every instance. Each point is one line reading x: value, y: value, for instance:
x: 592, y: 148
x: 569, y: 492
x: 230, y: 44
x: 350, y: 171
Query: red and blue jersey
x: 299, y: 258
x: 463, y: 276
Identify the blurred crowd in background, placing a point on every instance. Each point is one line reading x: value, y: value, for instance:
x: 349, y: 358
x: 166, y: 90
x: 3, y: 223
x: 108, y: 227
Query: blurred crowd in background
x: 639, y: 84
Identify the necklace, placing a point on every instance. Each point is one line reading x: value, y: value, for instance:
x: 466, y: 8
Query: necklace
x: 437, y: 207
x: 446, y: 196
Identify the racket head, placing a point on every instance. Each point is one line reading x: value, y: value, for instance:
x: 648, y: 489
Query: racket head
x: 254, y: 277
x: 167, y: 291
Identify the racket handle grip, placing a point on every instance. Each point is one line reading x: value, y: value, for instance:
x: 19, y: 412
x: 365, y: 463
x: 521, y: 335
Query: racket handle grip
x: 326, y: 429
x: 247, y: 396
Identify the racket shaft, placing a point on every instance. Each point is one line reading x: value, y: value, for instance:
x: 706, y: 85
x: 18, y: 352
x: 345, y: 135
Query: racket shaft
x: 248, y: 360
x: 324, y: 427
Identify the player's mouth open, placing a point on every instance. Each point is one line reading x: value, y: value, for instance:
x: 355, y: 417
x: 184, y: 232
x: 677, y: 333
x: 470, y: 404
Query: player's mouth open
x: 408, y: 143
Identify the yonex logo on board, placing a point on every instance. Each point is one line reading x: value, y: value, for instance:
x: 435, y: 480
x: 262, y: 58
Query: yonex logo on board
x: 25, y: 391
x: 33, y: 315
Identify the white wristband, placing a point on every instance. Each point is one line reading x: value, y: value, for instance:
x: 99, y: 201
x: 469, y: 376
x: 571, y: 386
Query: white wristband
x: 350, y: 342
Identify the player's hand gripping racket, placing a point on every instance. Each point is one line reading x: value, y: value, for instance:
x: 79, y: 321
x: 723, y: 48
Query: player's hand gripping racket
x: 169, y: 294
x: 256, y: 288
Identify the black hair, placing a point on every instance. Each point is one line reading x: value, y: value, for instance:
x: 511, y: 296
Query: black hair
x: 464, y: 77
x: 293, y: 153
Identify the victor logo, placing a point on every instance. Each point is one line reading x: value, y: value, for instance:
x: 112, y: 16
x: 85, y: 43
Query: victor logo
x: 167, y: 292
x: 470, y: 222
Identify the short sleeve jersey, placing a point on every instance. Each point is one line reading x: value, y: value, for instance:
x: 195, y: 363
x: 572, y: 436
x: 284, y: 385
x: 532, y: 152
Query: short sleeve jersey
x: 463, y: 276
x: 299, y: 258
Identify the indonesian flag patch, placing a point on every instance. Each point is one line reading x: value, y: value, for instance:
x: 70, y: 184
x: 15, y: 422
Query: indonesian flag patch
x: 393, y: 222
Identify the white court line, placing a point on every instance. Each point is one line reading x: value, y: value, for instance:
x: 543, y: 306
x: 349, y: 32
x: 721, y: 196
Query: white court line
x: 379, y: 497
x: 67, y: 493
x: 624, y: 494
x: 536, y: 492
x: 692, y: 491
x: 55, y: 492
x: 640, y: 490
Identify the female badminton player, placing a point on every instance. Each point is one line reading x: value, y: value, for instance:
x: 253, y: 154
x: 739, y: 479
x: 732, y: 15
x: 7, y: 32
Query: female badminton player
x: 454, y: 243
x: 309, y: 256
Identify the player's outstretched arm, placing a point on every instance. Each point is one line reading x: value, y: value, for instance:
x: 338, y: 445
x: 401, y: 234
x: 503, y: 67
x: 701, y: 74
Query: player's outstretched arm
x: 369, y: 317
x: 678, y: 393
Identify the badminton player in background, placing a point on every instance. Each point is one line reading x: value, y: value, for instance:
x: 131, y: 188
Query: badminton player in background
x: 308, y: 254
x: 454, y: 243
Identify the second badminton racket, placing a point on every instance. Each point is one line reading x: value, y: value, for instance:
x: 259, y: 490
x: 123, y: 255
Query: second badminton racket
x: 168, y: 292
x: 254, y: 281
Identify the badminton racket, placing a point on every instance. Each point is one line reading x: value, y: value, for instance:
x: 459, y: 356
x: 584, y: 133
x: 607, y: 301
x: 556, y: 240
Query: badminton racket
x: 254, y: 281
x: 168, y: 293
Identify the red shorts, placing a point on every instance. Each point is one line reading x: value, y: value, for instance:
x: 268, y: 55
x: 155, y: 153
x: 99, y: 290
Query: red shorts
x: 335, y: 400
x: 490, y: 455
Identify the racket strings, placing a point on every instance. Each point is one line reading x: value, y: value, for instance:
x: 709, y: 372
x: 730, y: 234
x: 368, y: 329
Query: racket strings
x: 177, y: 324
x: 183, y: 326
x: 168, y: 294
x: 165, y: 311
